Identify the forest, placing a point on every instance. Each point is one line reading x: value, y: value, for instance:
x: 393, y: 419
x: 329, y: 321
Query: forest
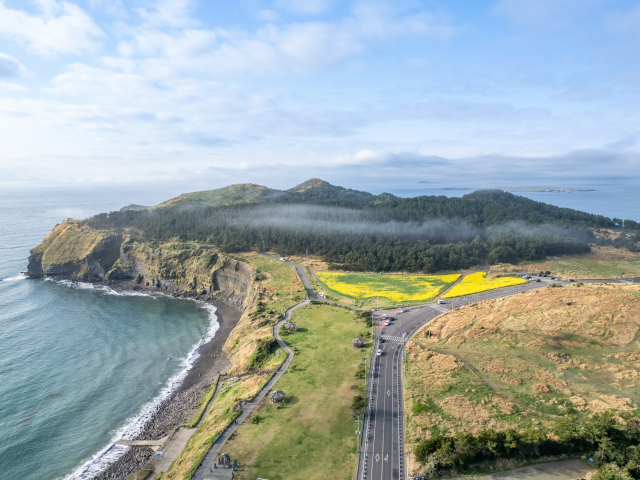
x: 359, y: 231
x: 611, y: 442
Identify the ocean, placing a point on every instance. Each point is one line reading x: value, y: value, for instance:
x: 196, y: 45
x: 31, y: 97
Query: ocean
x: 82, y: 365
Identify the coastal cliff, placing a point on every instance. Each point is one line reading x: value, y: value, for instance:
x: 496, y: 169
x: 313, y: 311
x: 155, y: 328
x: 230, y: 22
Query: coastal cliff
x: 75, y: 252
x: 261, y: 288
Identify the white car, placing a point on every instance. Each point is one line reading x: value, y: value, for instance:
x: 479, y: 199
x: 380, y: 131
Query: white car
x: 386, y: 323
x: 404, y: 310
x: 379, y: 353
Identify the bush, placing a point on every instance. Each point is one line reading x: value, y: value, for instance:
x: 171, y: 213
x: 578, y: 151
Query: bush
x: 358, y: 402
x: 418, y: 408
x: 612, y: 445
x: 260, y: 356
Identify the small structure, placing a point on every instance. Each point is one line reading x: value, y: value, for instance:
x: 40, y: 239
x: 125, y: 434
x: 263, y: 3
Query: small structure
x: 358, y: 342
x: 290, y: 327
x: 224, y: 460
x: 277, y: 396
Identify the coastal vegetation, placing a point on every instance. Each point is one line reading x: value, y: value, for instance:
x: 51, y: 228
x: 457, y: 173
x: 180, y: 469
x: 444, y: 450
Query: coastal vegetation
x: 202, y: 405
x: 601, y: 262
x: 358, y: 231
x: 405, y: 289
x: 311, y: 435
x: 254, y: 354
x: 478, y: 283
x: 526, y: 376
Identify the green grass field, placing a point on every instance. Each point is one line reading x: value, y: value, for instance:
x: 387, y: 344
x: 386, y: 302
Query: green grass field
x: 312, y: 436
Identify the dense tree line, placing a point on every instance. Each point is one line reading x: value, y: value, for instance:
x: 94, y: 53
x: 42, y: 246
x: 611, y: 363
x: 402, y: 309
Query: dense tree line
x: 360, y: 231
x: 610, y: 443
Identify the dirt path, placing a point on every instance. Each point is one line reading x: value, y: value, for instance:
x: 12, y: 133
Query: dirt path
x: 563, y: 470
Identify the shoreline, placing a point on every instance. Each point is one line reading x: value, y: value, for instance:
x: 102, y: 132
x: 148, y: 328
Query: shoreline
x: 179, y: 405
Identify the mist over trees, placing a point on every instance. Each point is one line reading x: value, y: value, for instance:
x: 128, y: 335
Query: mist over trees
x: 360, y: 231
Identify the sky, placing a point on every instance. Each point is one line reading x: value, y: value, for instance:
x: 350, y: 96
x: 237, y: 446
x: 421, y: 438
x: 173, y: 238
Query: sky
x: 467, y: 93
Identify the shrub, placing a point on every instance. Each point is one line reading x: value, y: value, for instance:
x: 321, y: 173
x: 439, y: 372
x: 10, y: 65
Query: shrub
x: 418, y: 408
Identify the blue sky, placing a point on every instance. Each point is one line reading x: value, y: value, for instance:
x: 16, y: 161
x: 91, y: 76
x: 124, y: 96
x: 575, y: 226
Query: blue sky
x: 468, y: 93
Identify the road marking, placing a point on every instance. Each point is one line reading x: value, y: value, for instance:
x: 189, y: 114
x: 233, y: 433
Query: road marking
x: 377, y: 457
x: 388, y: 393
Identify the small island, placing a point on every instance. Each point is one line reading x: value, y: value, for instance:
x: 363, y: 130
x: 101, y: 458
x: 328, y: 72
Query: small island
x: 548, y: 189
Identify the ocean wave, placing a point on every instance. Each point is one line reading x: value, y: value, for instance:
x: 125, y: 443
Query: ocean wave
x: 108, y: 455
x: 15, y: 279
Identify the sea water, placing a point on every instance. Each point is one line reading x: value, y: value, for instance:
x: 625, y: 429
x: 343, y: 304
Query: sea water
x: 80, y: 365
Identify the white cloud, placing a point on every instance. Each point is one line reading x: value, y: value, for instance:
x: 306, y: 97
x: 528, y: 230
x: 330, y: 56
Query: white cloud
x: 60, y: 28
x: 10, y: 67
x: 274, y: 49
x: 168, y: 13
x: 11, y: 87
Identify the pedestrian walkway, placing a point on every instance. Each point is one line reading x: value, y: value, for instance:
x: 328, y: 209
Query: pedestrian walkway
x: 391, y: 338
x: 206, y: 468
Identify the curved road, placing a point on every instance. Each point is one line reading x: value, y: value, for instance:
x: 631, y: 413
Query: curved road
x: 382, y: 454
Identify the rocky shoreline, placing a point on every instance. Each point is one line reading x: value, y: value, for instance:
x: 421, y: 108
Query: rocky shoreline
x: 178, y: 407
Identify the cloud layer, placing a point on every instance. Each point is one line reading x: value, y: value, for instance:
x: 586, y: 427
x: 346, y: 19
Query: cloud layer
x: 507, y: 93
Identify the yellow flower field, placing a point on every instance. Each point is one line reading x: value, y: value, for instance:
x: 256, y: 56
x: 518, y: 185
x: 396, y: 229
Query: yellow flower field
x: 477, y: 282
x: 397, y: 288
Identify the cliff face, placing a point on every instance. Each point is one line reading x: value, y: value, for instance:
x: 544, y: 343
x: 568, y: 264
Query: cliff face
x: 79, y: 253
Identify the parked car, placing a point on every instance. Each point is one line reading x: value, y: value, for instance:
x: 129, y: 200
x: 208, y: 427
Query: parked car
x: 404, y: 310
x: 538, y: 280
x: 544, y: 274
x: 385, y: 316
x: 379, y: 353
x: 387, y: 323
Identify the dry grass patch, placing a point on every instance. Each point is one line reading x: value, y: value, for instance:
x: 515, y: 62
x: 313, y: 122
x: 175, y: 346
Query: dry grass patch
x: 601, y: 262
x: 528, y: 358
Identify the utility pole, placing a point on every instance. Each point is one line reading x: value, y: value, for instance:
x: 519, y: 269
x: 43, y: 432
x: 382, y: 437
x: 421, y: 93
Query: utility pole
x: 358, y: 424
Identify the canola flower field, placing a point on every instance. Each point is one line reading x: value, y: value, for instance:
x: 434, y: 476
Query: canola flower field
x: 477, y: 283
x: 396, y: 288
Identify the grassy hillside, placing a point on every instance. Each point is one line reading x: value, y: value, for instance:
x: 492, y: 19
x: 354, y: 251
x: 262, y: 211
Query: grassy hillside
x: 231, y: 195
x: 312, y: 436
x: 601, y: 262
x: 525, y: 361
x: 69, y: 242
x: 253, y: 351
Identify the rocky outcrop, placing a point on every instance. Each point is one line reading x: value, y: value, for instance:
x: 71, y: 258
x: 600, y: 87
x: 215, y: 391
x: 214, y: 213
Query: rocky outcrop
x: 75, y: 252
x: 34, y: 269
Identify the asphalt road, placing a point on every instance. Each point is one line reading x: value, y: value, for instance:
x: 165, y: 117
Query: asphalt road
x: 382, y: 455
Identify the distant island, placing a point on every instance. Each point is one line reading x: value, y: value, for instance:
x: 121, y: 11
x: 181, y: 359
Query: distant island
x: 528, y: 189
x: 546, y: 189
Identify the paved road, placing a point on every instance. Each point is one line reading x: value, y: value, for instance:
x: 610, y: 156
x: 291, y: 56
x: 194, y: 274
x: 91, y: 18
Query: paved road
x: 382, y: 456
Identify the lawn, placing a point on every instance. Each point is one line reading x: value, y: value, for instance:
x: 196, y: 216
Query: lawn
x: 365, y: 289
x: 478, y: 282
x: 312, y: 436
x: 601, y: 262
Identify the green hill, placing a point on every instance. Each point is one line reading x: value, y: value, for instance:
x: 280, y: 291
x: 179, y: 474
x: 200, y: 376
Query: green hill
x: 232, y: 195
